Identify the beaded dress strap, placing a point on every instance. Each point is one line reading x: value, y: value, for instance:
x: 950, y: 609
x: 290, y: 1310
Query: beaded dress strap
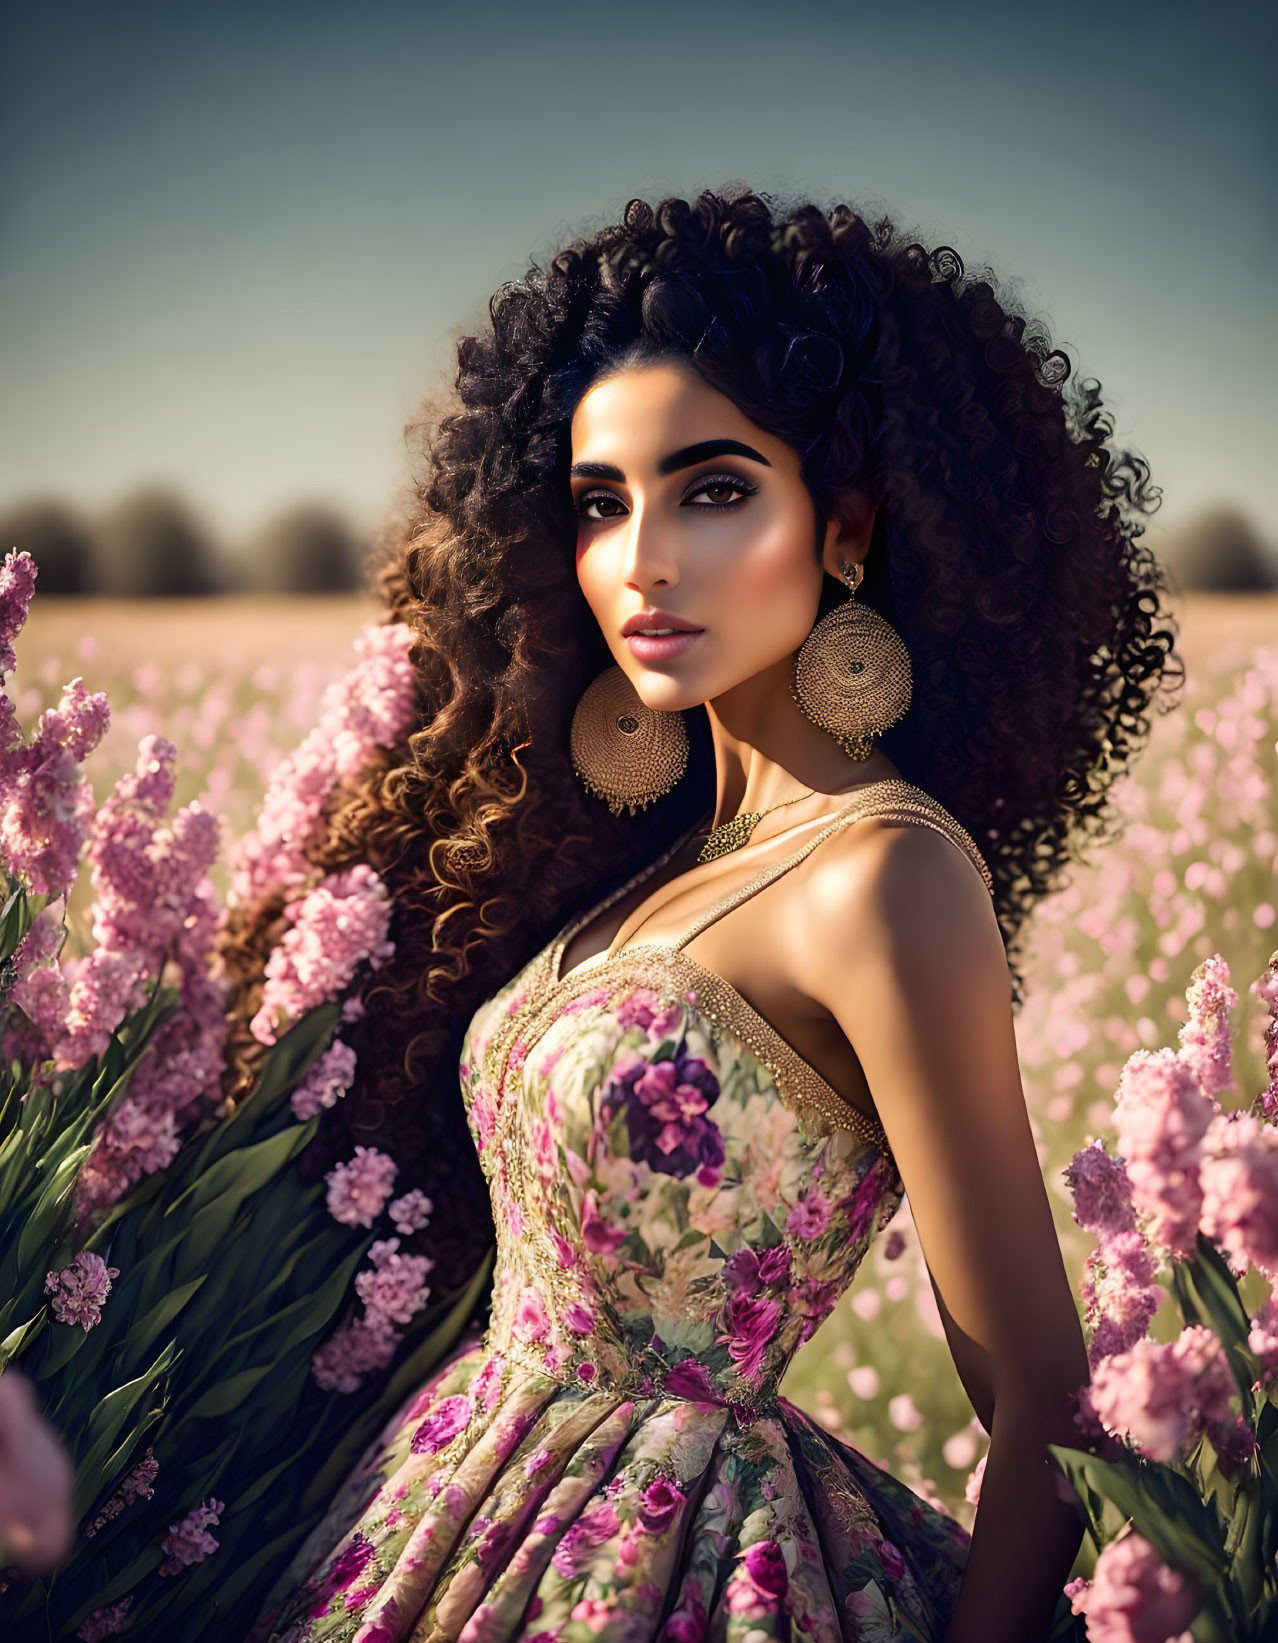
x: 895, y: 799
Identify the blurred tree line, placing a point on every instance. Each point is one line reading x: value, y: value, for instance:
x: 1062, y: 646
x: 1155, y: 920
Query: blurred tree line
x: 152, y: 544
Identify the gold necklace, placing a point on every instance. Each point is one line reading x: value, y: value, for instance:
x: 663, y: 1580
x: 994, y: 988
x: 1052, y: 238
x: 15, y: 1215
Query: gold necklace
x: 731, y: 835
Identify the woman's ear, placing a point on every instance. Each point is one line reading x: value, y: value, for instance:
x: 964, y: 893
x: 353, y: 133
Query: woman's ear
x: 847, y: 533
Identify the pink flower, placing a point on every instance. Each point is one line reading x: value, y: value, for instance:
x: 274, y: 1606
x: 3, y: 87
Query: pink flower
x: 758, y: 1585
x: 810, y: 1216
x: 353, y: 1351
x: 336, y: 927
x: 531, y: 1322
x: 17, y: 586
x: 659, y: 1505
x: 411, y: 1212
x: 189, y: 1541
x: 1160, y: 1396
x: 395, y: 1288
x: 972, y: 1488
x: 329, y: 1078
x: 359, y: 1188
x: 442, y: 1424
x: 598, y: 1234
x: 1161, y: 1116
x: 46, y: 803
x: 1204, y: 1039
x: 80, y: 1289
x: 598, y: 1523
x: 1101, y: 1189
x: 1119, y: 1293
x: 373, y: 707
x: 1263, y: 1339
x: 1135, y: 1598
x: 1239, y: 1175
x: 107, y: 1622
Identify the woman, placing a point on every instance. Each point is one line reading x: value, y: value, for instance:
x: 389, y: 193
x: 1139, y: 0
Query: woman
x: 781, y: 616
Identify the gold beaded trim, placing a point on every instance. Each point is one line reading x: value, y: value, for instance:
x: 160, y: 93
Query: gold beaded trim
x: 895, y: 800
x: 737, y: 1394
x: 798, y: 1082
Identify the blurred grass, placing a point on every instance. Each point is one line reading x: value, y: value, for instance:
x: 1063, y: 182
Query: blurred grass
x: 236, y: 683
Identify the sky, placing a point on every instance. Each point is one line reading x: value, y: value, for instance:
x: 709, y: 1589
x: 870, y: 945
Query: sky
x: 238, y: 243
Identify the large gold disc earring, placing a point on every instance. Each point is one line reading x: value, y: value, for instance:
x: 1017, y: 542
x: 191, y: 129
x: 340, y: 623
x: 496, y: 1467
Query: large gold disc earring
x: 852, y: 674
x: 625, y: 753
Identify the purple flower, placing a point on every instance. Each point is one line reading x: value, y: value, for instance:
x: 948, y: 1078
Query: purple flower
x: 766, y: 1567
x: 690, y: 1378
x: 452, y: 1417
x: 665, y: 1104
x: 596, y: 1524
x: 345, y: 1570
x: 329, y: 1078
x: 79, y: 1290
x: 749, y: 1324
x: 810, y: 1216
x: 659, y: 1504
x: 189, y: 1541
x: 747, y: 1271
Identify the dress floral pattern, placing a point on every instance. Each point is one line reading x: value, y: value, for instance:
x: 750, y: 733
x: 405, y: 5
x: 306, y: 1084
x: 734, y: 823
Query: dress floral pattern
x: 612, y: 1459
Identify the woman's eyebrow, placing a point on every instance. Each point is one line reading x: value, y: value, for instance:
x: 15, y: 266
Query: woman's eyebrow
x: 701, y: 452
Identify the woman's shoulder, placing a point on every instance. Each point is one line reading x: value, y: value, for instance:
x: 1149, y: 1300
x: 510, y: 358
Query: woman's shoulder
x: 901, y: 870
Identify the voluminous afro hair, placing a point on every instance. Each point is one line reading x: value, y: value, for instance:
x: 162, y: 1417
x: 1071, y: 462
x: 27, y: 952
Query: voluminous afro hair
x: 1006, y: 553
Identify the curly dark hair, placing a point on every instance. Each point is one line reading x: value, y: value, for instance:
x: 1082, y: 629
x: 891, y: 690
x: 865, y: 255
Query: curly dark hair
x: 1005, y: 552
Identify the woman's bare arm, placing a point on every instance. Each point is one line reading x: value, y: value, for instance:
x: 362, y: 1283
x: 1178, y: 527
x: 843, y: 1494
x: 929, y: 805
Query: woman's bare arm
x: 905, y: 951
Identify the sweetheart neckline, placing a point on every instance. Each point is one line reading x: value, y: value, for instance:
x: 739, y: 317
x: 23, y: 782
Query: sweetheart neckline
x: 726, y: 1009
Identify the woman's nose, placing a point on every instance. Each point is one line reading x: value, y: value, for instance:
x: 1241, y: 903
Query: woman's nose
x: 649, y: 556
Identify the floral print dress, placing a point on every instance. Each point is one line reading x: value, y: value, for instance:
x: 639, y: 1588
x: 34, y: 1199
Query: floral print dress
x: 679, y: 1202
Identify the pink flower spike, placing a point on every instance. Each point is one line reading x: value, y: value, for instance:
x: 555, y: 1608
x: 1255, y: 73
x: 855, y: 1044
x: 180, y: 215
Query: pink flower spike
x: 338, y: 926
x: 17, y: 585
x: 1204, y: 1039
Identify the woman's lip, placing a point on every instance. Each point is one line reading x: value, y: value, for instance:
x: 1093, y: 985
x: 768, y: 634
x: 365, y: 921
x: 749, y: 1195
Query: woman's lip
x: 665, y: 649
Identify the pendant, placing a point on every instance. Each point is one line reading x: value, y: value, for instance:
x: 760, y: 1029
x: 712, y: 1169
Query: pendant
x: 729, y: 835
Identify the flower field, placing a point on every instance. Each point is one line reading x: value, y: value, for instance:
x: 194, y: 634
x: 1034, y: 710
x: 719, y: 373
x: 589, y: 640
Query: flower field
x: 1139, y: 951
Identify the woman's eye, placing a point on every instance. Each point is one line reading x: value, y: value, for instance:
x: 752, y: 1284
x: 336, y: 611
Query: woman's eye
x: 592, y: 499
x: 721, y: 491
x: 722, y: 483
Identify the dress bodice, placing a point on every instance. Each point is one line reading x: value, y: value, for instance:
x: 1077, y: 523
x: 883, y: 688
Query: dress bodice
x: 679, y: 1198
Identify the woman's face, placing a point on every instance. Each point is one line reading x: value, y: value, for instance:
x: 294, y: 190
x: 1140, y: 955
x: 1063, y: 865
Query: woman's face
x: 688, y: 510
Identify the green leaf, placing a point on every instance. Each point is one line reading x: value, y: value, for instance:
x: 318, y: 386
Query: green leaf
x: 1162, y: 1505
x: 13, y: 1343
x: 227, y: 1395
x: 282, y: 1069
x: 104, y: 1426
x: 148, y: 1329
x: 217, y: 1197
